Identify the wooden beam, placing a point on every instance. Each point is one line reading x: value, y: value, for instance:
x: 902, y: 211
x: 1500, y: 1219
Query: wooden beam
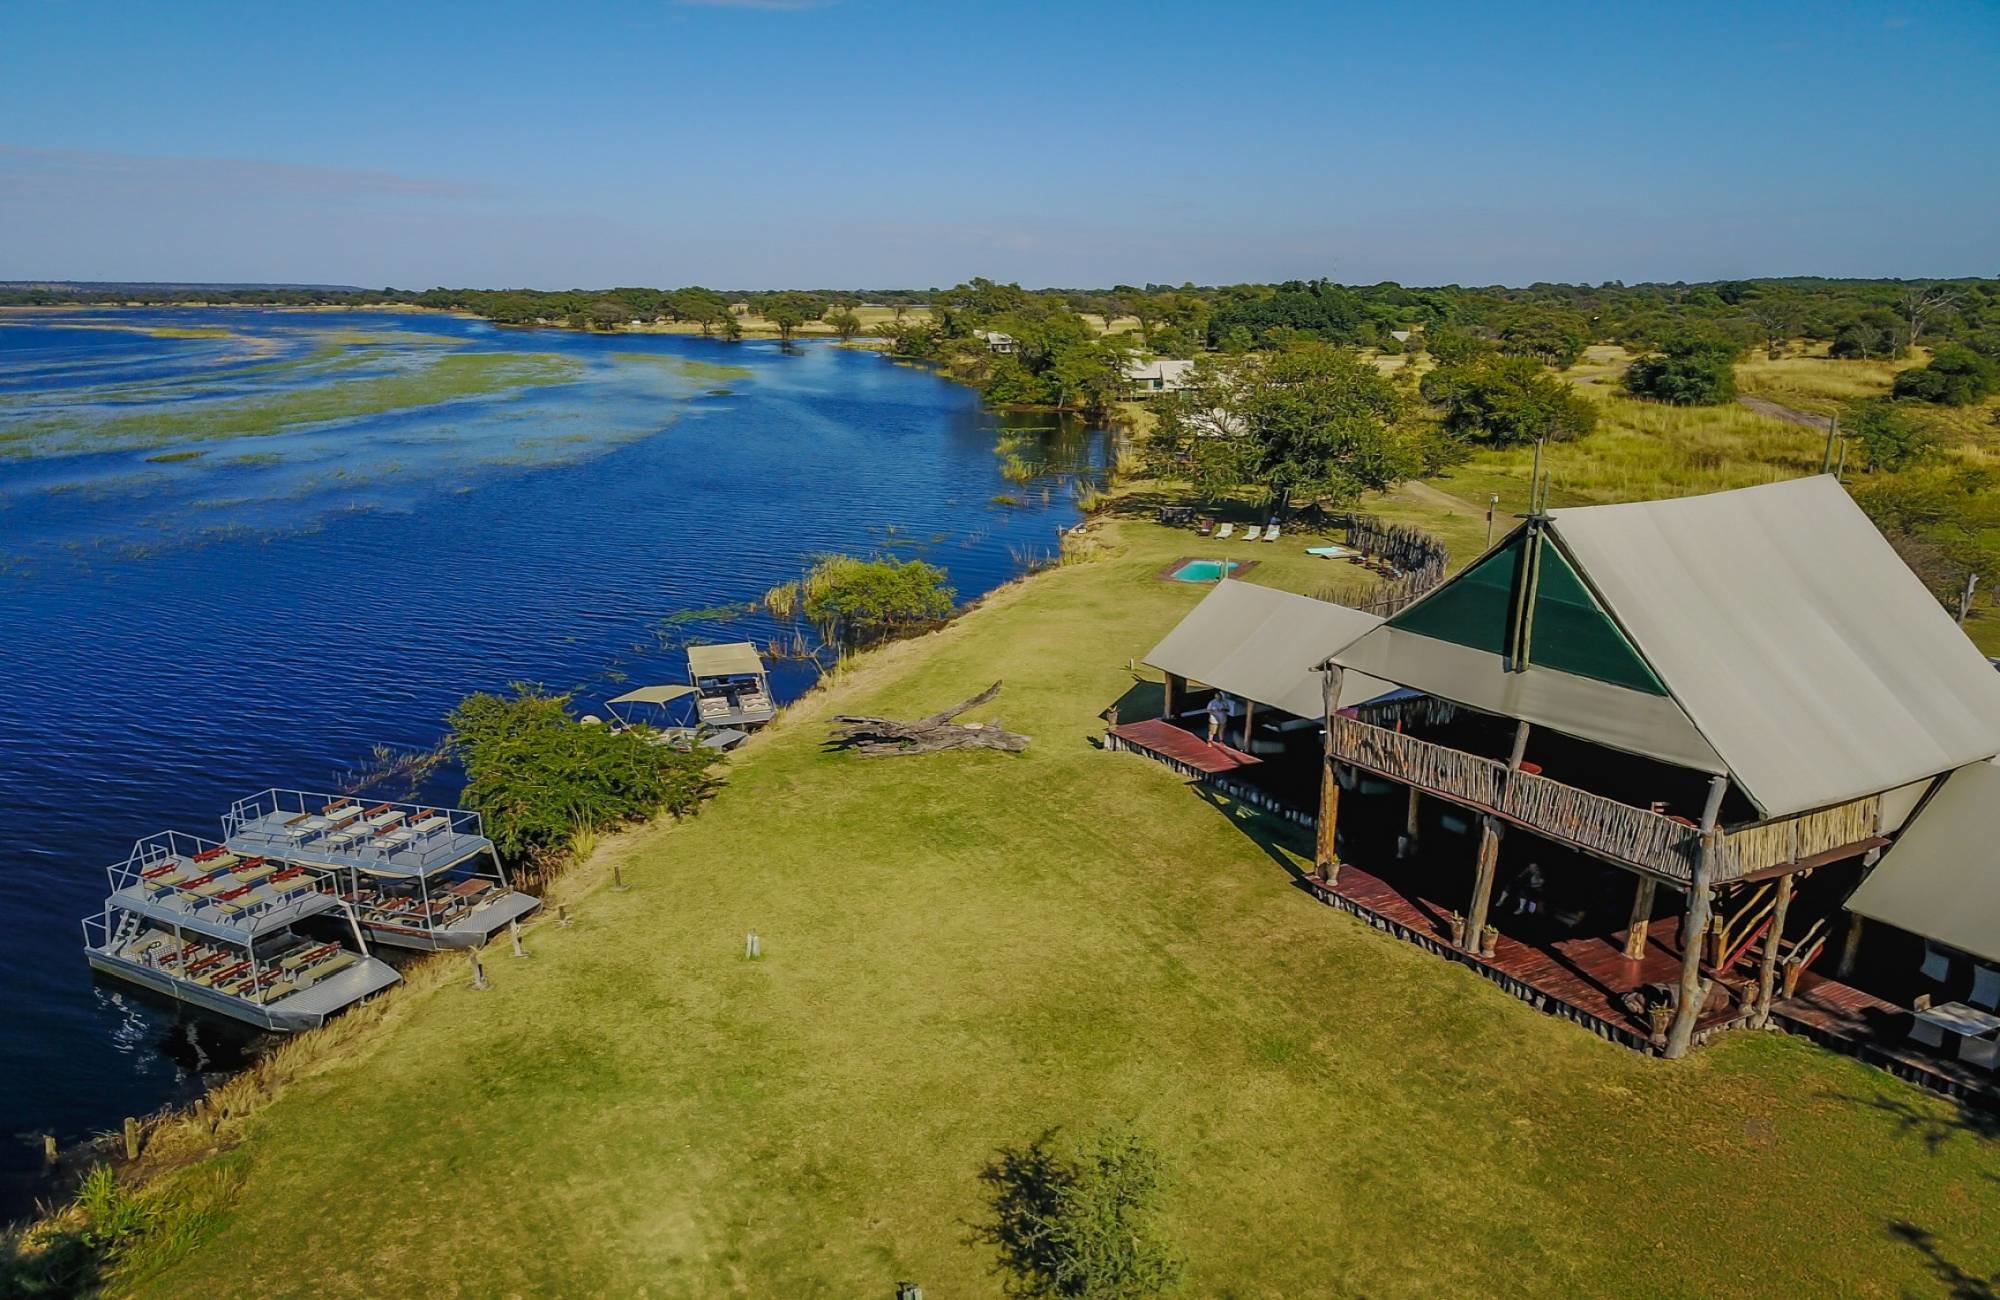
x: 1520, y: 746
x: 1407, y: 846
x: 1642, y: 916
x: 1326, y: 848
x: 1249, y: 720
x: 1850, y: 946
x: 1767, y: 970
x: 1170, y: 698
x: 1694, y: 928
x: 1484, y: 869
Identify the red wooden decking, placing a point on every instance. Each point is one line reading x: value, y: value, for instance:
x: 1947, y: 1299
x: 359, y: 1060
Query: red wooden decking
x: 1179, y: 747
x: 1845, y: 1018
x: 1580, y: 978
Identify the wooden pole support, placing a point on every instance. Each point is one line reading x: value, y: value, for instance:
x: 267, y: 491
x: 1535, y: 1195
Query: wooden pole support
x: 478, y: 970
x: 1326, y: 844
x: 1407, y: 846
x: 617, y: 877
x: 562, y: 916
x: 1484, y: 869
x: 1694, y: 928
x: 1767, y: 970
x: 1850, y: 946
x: 49, y: 1154
x: 131, y: 1138
x: 1642, y: 915
x: 514, y: 933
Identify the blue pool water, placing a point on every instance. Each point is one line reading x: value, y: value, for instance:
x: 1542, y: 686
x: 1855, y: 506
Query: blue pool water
x: 177, y: 633
x: 1205, y: 570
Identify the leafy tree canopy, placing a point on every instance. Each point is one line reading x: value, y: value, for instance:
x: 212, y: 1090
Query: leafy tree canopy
x: 1693, y: 367
x: 1507, y: 401
x: 1956, y: 376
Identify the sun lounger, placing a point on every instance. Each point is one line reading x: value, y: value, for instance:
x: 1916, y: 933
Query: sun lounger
x: 1271, y: 533
x: 1254, y: 532
x: 154, y: 873
x: 1225, y: 530
x: 340, y: 816
x: 210, y: 855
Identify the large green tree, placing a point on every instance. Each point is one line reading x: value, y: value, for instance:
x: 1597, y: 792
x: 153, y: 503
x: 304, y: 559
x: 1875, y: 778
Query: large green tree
x: 1082, y: 1226
x: 1507, y: 401
x: 1692, y: 367
x: 1322, y: 424
x: 789, y: 310
x: 1956, y: 376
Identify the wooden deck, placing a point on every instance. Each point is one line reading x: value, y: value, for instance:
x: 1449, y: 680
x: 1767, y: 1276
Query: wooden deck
x: 1580, y: 979
x: 1178, y: 748
x: 1846, y: 1019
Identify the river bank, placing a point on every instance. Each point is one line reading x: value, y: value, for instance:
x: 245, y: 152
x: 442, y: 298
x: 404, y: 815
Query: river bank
x: 964, y: 950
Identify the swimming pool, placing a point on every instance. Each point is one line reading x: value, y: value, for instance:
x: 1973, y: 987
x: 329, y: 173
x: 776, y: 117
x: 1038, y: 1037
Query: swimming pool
x: 1205, y: 570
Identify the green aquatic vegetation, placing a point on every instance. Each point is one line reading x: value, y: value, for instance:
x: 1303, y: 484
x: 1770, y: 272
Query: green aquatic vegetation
x: 448, y: 378
x: 686, y: 367
x: 255, y: 458
x: 169, y: 457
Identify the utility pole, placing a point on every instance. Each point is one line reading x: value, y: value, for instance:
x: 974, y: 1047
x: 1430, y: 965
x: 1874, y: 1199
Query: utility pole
x: 1965, y: 596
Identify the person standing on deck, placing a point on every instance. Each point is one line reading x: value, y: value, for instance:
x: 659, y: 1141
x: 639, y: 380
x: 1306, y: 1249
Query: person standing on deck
x: 1218, y: 712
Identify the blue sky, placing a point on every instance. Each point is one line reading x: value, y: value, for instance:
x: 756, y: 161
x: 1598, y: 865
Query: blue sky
x: 875, y: 143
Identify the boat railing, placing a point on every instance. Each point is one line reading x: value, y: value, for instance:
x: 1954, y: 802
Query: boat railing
x: 423, y: 837
x: 165, y: 846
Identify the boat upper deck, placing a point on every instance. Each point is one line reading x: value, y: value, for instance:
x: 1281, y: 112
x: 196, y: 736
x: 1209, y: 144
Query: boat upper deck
x: 182, y: 880
x: 733, y: 688
x: 337, y: 831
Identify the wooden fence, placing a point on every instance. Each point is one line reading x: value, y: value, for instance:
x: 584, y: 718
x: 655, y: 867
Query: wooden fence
x: 1589, y: 821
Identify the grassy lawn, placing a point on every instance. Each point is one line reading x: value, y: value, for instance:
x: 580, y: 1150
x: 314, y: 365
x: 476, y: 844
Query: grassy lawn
x: 965, y: 950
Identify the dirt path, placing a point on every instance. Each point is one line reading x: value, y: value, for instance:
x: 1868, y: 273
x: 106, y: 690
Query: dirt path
x: 1432, y: 496
x: 1765, y: 406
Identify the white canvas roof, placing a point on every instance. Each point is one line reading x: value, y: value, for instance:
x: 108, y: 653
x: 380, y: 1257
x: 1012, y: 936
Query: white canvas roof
x: 1266, y: 645
x: 736, y: 658
x: 1797, y: 650
x: 1942, y: 878
x: 1794, y: 637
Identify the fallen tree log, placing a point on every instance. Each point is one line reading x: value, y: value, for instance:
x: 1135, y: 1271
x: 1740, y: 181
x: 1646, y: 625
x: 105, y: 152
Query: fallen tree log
x: 877, y: 737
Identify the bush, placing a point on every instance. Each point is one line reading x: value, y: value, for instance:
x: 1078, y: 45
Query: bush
x: 1553, y: 338
x: 851, y: 602
x: 1691, y: 368
x: 1956, y: 376
x: 1452, y: 346
x: 1892, y: 437
x: 539, y: 777
x: 1080, y: 1226
x: 1508, y: 401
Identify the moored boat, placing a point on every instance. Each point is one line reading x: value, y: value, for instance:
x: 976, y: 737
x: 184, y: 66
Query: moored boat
x: 417, y: 875
x: 214, y: 928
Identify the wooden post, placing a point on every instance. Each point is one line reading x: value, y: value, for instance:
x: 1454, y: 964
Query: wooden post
x: 1407, y: 848
x: 1767, y: 970
x: 1169, y: 696
x: 478, y: 971
x: 1642, y: 916
x: 562, y: 916
x: 131, y: 1138
x: 1520, y: 750
x: 1850, y: 946
x: 1249, y: 720
x: 49, y: 1155
x: 1326, y: 849
x: 1694, y: 926
x: 617, y: 877
x: 514, y: 933
x: 1482, y: 882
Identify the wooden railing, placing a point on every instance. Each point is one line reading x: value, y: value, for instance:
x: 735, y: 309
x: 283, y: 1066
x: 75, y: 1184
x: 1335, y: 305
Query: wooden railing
x: 1436, y: 768
x: 1788, y: 839
x: 1638, y: 836
x: 1591, y: 821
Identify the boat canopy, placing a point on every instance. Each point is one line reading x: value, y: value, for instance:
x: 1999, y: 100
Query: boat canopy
x: 738, y: 658
x: 653, y: 695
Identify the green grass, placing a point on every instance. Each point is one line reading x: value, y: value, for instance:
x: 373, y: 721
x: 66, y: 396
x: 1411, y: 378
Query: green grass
x: 688, y: 368
x: 965, y: 949
x: 456, y: 375
x: 172, y: 457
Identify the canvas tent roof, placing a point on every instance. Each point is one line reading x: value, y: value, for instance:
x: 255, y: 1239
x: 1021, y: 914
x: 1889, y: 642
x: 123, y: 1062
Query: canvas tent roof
x: 1942, y: 878
x: 652, y: 695
x: 738, y: 657
x: 1266, y: 645
x: 1770, y: 632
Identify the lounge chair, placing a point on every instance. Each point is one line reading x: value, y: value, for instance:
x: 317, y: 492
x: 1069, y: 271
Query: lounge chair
x: 1225, y: 530
x: 1271, y: 533
x: 1255, y: 532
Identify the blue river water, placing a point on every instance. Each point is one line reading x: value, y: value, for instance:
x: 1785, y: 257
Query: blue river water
x: 185, y: 620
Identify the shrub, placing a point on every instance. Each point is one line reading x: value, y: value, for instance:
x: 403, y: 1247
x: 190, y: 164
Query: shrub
x: 539, y: 777
x: 851, y: 602
x: 1508, y: 401
x: 1691, y: 368
x: 1080, y: 1226
x: 1956, y: 376
x: 1891, y: 436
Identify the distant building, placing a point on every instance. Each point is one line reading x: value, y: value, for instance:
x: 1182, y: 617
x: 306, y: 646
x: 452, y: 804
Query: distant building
x: 1401, y: 336
x: 995, y: 341
x: 1163, y: 376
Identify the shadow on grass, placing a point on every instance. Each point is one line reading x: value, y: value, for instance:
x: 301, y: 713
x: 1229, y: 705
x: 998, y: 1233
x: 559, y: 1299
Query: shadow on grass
x: 1933, y: 1130
x: 1960, y: 1283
